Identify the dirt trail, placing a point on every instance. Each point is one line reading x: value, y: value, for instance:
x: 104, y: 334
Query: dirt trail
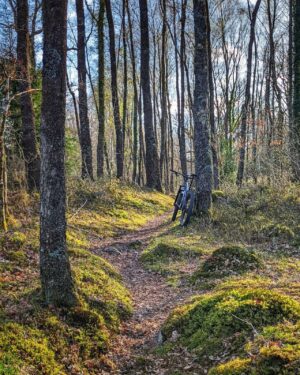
x: 153, y: 300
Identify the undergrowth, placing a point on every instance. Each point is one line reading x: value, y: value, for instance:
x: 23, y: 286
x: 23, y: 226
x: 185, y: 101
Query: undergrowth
x: 35, y: 339
x: 244, y: 318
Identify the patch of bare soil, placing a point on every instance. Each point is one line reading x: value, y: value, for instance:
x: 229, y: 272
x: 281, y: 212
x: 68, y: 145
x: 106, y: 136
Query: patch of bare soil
x: 153, y: 300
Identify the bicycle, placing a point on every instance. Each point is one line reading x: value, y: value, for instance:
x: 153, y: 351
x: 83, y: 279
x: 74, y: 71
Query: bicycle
x: 185, y: 199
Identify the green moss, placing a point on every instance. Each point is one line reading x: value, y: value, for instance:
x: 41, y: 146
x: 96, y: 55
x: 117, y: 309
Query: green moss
x: 228, y: 260
x: 168, y: 251
x: 237, y: 366
x: 222, y: 322
x: 275, y: 351
x: 24, y: 349
x: 279, y: 231
x: 217, y: 194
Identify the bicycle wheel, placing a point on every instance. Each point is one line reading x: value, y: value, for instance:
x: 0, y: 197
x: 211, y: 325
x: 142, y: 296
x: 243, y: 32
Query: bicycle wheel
x: 187, y: 210
x: 176, y: 206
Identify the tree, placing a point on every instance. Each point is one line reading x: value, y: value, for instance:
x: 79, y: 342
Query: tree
x: 29, y: 145
x: 114, y: 91
x: 212, y: 108
x: 296, y: 93
x: 85, y: 137
x: 101, y: 94
x: 203, y: 157
x: 151, y: 162
x: 245, y: 108
x: 57, y: 284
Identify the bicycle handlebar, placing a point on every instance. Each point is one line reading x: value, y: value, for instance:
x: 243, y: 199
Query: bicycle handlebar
x: 193, y: 175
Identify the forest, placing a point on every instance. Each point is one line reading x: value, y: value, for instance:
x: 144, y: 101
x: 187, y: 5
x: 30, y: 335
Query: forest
x: 149, y: 187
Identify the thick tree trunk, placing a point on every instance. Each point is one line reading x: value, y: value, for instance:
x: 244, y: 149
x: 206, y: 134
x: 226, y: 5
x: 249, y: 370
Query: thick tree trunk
x: 151, y: 162
x: 31, y: 156
x: 296, y: 94
x: 101, y: 95
x: 114, y: 91
x: 202, y: 144
x: 57, y: 284
x: 85, y: 141
x: 245, y: 107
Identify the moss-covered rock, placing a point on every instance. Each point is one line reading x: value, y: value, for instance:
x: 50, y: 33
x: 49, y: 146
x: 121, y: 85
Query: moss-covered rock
x: 221, y: 323
x: 228, y: 260
x: 275, y: 351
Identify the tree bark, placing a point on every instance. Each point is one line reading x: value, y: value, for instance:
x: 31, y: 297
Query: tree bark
x: 101, y: 94
x: 202, y: 144
x: 245, y: 107
x: 214, y: 147
x: 85, y: 141
x: 151, y: 162
x: 135, y: 98
x: 114, y: 91
x: 31, y: 155
x: 296, y: 94
x: 181, y: 128
x: 57, y: 283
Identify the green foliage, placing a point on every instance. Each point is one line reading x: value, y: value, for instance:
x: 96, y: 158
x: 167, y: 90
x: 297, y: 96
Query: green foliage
x: 73, y: 159
x: 222, y: 322
x: 228, y: 260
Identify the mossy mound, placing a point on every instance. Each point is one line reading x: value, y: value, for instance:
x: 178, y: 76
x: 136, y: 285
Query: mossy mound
x: 163, y: 252
x: 220, y: 324
x: 278, y: 231
x: 24, y: 350
x: 228, y: 260
x: 275, y: 351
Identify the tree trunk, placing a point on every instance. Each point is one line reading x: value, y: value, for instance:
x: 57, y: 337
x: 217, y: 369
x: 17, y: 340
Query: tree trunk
x: 135, y: 98
x: 151, y: 162
x: 114, y: 91
x: 245, y: 107
x: 57, y: 284
x: 85, y: 141
x: 31, y: 156
x: 101, y: 95
x: 296, y: 94
x: 214, y: 147
x: 203, y: 157
x: 125, y: 74
x: 181, y: 129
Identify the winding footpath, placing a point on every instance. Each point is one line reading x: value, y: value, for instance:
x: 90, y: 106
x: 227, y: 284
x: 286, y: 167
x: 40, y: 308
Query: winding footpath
x: 153, y: 300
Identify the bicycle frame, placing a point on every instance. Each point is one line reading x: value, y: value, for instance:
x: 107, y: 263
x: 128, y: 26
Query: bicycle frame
x: 183, y: 189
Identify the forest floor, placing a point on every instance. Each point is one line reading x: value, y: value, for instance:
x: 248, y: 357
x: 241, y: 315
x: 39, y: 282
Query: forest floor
x: 156, y: 298
x: 153, y: 300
